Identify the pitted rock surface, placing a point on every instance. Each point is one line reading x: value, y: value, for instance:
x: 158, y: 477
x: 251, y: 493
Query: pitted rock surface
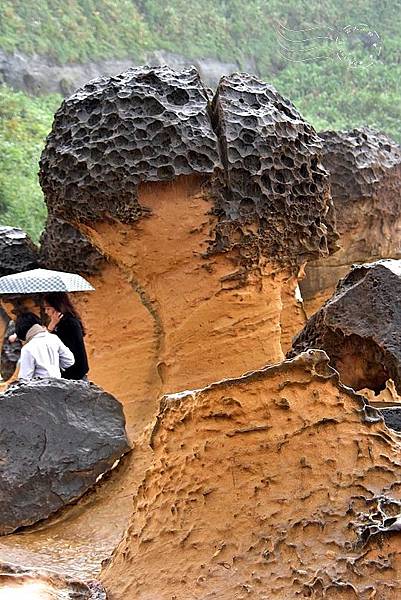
x: 10, y: 353
x: 270, y: 192
x: 49, y: 585
x: 57, y: 437
x: 147, y: 124
x: 273, y: 180
x: 357, y: 161
x: 360, y: 327
x: 64, y: 248
x: 365, y: 177
x: 392, y: 418
x: 17, y: 251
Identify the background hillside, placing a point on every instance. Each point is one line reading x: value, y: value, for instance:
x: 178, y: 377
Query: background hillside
x: 339, y: 62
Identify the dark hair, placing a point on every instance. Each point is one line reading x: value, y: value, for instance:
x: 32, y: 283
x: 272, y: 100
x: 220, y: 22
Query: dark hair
x: 24, y: 322
x: 61, y: 302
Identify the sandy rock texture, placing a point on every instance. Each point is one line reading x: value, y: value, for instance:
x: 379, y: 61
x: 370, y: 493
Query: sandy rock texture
x: 360, y: 327
x: 23, y: 582
x: 205, y: 211
x: 365, y: 176
x: 60, y: 436
x: 278, y: 484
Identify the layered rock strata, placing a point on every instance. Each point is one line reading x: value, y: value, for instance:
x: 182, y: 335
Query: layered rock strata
x: 60, y: 437
x: 252, y: 498
x: 203, y: 212
x: 360, y: 327
x: 365, y: 177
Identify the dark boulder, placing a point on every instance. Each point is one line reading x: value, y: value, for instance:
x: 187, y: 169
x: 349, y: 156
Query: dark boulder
x: 392, y: 417
x: 17, y: 251
x: 57, y: 437
x: 360, y: 327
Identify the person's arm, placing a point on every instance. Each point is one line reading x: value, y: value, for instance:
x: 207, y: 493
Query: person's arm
x: 27, y: 364
x: 65, y: 355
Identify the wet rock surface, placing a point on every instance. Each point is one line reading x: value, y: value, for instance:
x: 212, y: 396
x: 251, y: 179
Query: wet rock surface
x: 253, y: 498
x: 57, y: 437
x: 360, y: 327
x: 274, y: 197
x: 147, y: 124
x: 64, y: 248
x: 17, y: 251
x: 365, y: 177
x: 29, y: 583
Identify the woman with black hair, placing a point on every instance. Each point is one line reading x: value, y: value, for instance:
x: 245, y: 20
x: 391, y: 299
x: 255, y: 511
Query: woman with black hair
x: 66, y: 323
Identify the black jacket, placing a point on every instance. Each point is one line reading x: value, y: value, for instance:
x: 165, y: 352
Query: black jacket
x: 70, y: 332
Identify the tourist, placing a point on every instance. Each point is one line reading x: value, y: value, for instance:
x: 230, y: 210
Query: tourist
x: 66, y: 323
x: 43, y: 355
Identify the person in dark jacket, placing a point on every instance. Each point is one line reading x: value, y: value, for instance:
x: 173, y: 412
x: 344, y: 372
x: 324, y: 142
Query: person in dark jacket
x: 66, y: 323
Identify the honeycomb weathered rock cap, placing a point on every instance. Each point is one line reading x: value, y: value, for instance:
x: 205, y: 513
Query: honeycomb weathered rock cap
x: 273, y: 177
x: 357, y: 160
x: 147, y: 124
x: 359, y: 327
x: 17, y: 251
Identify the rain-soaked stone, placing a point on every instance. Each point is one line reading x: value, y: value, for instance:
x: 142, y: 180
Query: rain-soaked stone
x: 21, y: 582
x: 57, y: 437
x: 359, y: 327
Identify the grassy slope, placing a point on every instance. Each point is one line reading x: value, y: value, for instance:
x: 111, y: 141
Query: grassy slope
x: 331, y: 92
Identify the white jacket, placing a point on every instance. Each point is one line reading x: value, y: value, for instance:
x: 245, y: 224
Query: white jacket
x: 43, y: 356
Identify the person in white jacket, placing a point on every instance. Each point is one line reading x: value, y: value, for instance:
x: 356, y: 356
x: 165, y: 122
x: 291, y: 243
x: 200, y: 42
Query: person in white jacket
x: 44, y: 354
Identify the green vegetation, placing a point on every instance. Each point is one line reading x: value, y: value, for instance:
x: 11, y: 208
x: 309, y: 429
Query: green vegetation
x: 317, y: 52
x: 24, y: 124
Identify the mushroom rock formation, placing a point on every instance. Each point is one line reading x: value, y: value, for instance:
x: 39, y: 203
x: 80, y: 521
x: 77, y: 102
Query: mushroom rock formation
x: 248, y: 495
x: 64, y: 248
x: 365, y: 177
x: 58, y: 438
x: 202, y: 212
x: 360, y: 327
x: 21, y: 582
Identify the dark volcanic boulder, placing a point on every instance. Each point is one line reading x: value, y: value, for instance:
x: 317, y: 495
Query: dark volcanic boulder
x: 365, y: 176
x: 392, y: 417
x: 360, y: 327
x: 17, y: 251
x: 57, y: 437
x: 24, y: 581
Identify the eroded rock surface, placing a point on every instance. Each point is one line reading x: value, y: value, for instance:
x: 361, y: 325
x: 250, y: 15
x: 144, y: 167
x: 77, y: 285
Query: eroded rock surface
x: 64, y: 248
x: 249, y: 492
x: 365, y: 177
x: 233, y: 201
x: 274, y: 195
x: 360, y: 327
x: 57, y: 437
x: 28, y: 583
x: 147, y: 124
x: 17, y: 251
